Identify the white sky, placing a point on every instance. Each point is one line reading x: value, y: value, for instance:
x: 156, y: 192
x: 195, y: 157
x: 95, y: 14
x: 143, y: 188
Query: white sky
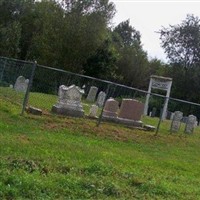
x: 148, y: 16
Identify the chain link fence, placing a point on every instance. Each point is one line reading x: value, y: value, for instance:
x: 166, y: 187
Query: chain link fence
x: 44, y: 82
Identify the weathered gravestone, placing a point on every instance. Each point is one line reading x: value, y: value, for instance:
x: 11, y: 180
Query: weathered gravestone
x: 110, y: 109
x: 69, y: 101
x: 168, y: 116
x: 176, y: 122
x: 130, y: 112
x: 21, y: 84
x: 131, y: 109
x: 184, y: 119
x: 92, y: 94
x: 190, y: 124
x: 101, y: 98
x: 93, y: 111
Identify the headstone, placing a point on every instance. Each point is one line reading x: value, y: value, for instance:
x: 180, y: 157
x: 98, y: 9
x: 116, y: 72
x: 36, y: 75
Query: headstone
x: 184, y: 119
x: 172, y: 116
x: 21, y: 84
x: 131, y: 109
x: 93, y: 111
x: 69, y: 101
x: 92, y: 94
x: 11, y: 86
x: 101, y: 98
x: 168, y: 116
x: 110, y: 109
x: 190, y: 124
x: 176, y: 122
x: 153, y: 112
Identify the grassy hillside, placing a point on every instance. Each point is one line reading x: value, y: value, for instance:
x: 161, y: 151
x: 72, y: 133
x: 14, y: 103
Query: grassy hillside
x: 54, y: 157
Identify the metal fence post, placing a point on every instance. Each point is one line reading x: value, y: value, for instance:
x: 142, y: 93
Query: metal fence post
x: 161, y: 117
x: 100, y: 117
x: 26, y: 97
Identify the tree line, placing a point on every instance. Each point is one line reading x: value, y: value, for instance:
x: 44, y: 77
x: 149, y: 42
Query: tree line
x: 78, y: 36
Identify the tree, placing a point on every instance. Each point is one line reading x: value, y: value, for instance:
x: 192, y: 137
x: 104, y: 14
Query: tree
x: 182, y: 42
x: 129, y: 36
x: 182, y: 45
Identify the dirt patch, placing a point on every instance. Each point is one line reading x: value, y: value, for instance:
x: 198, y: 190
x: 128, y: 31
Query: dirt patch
x: 23, y: 139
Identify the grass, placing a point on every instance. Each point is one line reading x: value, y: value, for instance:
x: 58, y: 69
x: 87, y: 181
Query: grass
x: 54, y: 157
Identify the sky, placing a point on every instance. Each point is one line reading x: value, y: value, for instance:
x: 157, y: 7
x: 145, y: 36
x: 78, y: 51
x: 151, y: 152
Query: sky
x: 149, y: 16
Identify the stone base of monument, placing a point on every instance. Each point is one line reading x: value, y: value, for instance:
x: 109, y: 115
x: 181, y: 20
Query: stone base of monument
x: 129, y: 122
x: 74, y: 112
x: 149, y: 128
x: 34, y: 111
x: 109, y: 119
x: 126, y: 122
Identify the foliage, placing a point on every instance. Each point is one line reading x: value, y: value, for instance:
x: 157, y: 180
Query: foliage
x: 182, y: 42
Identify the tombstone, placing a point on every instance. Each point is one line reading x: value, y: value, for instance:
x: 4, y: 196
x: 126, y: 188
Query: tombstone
x: 190, y: 124
x: 184, y: 119
x: 131, y: 109
x: 153, y: 112
x: 93, y: 111
x: 168, y: 116
x: 110, y: 109
x: 69, y: 101
x: 176, y: 122
x: 101, y: 98
x: 21, y: 84
x: 172, y: 116
x: 92, y: 94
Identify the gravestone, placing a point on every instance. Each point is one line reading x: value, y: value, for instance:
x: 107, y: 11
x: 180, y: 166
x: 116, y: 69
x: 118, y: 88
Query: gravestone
x: 190, y: 124
x: 92, y: 94
x: 93, y: 111
x: 69, y: 101
x: 110, y: 109
x: 21, y: 84
x: 131, y: 109
x: 172, y: 116
x: 168, y: 116
x: 184, y: 119
x: 176, y: 122
x: 101, y: 98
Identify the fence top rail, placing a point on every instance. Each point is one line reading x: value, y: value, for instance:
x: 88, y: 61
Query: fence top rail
x: 100, y: 80
x: 16, y: 60
x: 96, y: 79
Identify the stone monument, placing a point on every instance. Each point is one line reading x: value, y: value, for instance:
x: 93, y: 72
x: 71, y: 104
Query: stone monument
x: 110, y: 109
x: 131, y: 109
x: 69, y: 101
x: 92, y: 94
x: 101, y: 98
x: 21, y: 84
x: 190, y: 124
x: 176, y: 121
x: 93, y: 111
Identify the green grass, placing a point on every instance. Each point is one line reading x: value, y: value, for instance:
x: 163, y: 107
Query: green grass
x: 54, y: 157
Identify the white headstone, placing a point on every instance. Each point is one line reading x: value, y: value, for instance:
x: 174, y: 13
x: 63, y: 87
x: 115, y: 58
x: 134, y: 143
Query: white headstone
x: 69, y: 101
x: 176, y: 122
x: 93, y: 111
x: 101, y: 98
x: 190, y: 124
x: 21, y: 84
x: 92, y: 94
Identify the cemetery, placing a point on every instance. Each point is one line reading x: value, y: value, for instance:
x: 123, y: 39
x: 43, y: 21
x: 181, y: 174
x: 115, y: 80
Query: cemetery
x: 90, y: 108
